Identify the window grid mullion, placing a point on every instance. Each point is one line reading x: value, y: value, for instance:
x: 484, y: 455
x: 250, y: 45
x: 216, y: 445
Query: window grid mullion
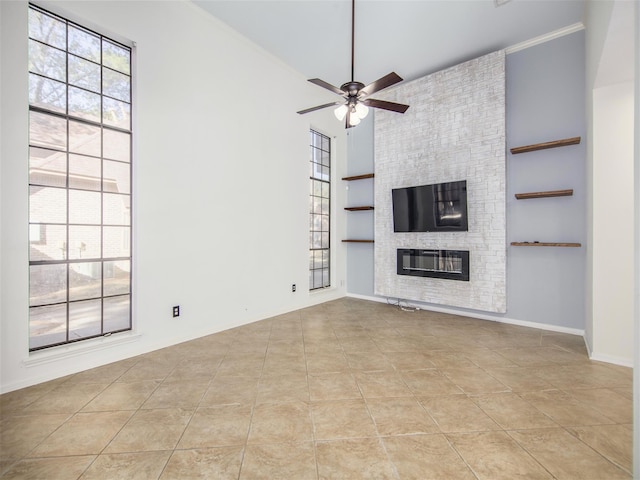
x: 101, y: 260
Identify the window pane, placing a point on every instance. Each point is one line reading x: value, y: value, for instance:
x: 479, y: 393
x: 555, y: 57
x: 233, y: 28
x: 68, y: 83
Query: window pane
x: 117, y: 277
x: 317, y: 240
x: 116, y: 177
x: 47, y: 325
x: 325, y: 223
x: 116, y: 57
x: 85, y: 319
x: 84, y: 104
x: 48, y: 94
x: 84, y: 44
x: 85, y: 280
x: 47, y: 242
x: 47, y: 131
x: 84, y: 172
x: 47, y: 205
x: 79, y: 180
x: 317, y: 278
x: 85, y: 139
x: 47, y: 29
x: 317, y: 188
x: 83, y: 73
x: 115, y: 242
x: 116, y: 113
x: 317, y: 222
x: 116, y: 313
x: 84, y: 207
x: 47, y: 284
x: 325, y: 259
x: 117, y: 145
x: 325, y: 206
x: 319, y: 217
x: 115, y: 84
x: 84, y: 242
x: 116, y: 209
x: 47, y: 167
x: 47, y: 61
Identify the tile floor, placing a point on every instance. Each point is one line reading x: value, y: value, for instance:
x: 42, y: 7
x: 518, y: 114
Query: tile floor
x: 347, y: 389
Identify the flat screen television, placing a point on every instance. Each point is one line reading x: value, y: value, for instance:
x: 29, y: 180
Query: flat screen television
x: 441, y: 207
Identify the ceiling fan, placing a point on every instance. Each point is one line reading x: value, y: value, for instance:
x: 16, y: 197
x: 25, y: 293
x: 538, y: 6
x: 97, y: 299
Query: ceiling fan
x: 355, y: 105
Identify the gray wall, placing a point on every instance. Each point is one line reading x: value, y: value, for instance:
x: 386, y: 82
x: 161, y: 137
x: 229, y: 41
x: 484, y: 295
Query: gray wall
x: 360, y: 260
x: 545, y: 101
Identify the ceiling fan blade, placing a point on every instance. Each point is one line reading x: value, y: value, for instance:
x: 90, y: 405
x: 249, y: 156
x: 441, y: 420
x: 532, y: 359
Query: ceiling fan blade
x: 382, y: 83
x: 328, y: 86
x: 313, y: 109
x: 383, y: 104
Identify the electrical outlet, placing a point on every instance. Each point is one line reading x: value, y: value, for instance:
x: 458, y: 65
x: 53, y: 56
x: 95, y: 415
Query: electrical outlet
x: 293, y: 287
x: 176, y: 311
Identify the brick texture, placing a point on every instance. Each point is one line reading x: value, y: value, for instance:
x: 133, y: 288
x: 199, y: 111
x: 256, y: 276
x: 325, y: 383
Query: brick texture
x: 453, y: 130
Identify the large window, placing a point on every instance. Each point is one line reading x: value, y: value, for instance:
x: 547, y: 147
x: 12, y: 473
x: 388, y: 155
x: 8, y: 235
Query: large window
x: 80, y: 182
x: 319, y: 208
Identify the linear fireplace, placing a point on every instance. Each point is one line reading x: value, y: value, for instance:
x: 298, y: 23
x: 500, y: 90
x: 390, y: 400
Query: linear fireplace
x: 448, y: 264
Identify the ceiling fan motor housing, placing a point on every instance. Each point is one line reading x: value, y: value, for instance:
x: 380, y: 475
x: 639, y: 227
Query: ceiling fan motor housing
x: 352, y: 88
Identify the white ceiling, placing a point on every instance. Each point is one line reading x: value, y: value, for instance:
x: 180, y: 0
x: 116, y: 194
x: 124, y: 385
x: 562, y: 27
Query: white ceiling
x: 411, y: 37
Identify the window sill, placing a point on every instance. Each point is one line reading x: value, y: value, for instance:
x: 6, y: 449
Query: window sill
x: 62, y: 352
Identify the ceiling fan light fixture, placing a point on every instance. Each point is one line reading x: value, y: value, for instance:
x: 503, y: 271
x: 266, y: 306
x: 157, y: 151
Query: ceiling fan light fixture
x: 341, y: 112
x: 361, y: 110
x: 354, y: 120
x: 356, y: 94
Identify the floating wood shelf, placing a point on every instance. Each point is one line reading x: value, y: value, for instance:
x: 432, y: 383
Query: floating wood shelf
x: 545, y: 244
x: 553, y: 193
x: 357, y: 241
x: 356, y: 209
x: 541, y: 146
x: 358, y: 177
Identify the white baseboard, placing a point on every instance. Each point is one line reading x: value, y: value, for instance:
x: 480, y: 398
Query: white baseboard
x: 623, y: 362
x: 478, y: 315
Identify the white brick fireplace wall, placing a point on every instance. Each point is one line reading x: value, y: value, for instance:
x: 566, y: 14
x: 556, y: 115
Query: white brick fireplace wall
x: 453, y: 130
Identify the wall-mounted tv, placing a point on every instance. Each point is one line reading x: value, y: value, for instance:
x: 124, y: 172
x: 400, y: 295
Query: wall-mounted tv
x: 440, y: 207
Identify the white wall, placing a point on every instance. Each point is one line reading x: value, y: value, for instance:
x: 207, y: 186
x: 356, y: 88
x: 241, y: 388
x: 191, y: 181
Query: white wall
x: 613, y: 213
x: 220, y: 184
x: 610, y: 98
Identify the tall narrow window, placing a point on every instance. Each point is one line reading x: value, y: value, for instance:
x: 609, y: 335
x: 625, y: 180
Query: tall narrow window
x: 319, y: 208
x: 80, y: 182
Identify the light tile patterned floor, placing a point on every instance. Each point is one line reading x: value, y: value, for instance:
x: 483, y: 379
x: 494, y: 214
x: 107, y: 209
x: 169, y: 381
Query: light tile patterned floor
x: 347, y: 389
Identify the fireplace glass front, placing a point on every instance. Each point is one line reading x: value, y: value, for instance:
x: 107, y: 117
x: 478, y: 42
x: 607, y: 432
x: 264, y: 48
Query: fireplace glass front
x: 448, y: 264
